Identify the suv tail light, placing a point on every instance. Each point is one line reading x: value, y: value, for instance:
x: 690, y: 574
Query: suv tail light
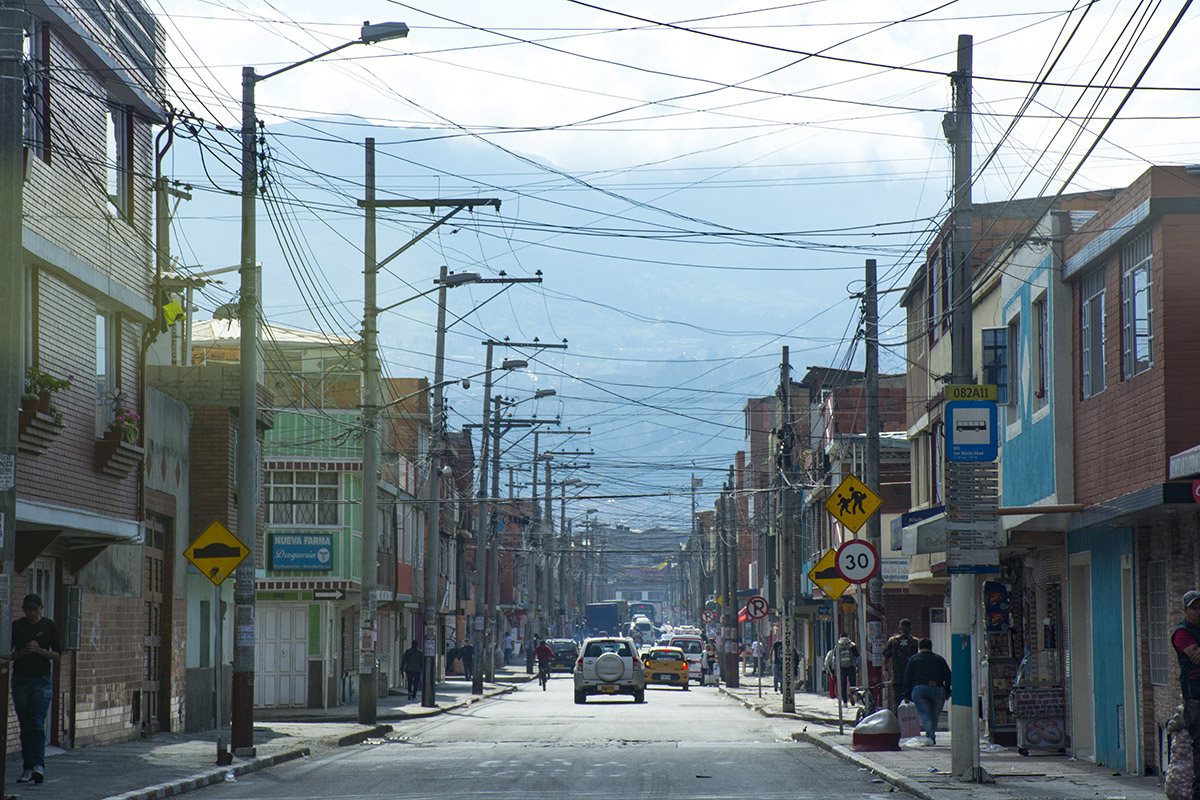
x: 579, y: 663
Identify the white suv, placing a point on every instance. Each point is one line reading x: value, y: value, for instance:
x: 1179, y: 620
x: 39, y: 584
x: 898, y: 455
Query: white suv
x: 609, y: 666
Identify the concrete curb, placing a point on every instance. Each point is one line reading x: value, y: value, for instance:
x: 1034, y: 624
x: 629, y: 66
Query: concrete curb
x: 901, y: 782
x: 210, y: 776
x: 777, y: 714
x: 359, y: 737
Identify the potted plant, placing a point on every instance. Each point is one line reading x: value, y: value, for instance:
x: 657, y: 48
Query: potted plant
x: 124, y: 426
x: 42, y: 385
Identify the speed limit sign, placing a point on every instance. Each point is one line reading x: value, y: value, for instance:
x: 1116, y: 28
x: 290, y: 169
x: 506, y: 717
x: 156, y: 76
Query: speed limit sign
x: 857, y: 561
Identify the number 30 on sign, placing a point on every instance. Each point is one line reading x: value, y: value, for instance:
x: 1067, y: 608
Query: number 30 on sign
x: 857, y: 561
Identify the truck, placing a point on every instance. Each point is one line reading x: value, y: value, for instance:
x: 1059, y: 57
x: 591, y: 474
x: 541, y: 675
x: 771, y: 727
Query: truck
x: 644, y: 609
x: 605, y: 617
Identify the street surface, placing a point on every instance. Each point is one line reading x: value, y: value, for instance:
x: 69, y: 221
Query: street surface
x: 532, y: 744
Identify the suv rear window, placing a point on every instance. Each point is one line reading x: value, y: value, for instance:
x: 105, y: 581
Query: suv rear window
x: 688, y: 645
x: 595, y: 649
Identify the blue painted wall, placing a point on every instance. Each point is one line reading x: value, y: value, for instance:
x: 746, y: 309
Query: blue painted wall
x: 1106, y: 546
x: 1028, y: 458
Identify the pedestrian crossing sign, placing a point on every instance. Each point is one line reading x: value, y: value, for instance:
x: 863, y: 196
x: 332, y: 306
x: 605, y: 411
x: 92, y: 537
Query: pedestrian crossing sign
x: 852, y: 504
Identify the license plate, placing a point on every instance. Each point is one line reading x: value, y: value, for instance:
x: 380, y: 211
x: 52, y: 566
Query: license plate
x: 665, y: 676
x: 608, y: 690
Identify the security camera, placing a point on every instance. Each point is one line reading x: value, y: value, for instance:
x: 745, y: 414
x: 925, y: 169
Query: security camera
x: 466, y: 383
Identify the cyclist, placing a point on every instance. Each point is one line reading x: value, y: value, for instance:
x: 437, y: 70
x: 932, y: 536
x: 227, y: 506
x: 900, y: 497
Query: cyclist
x: 544, y: 655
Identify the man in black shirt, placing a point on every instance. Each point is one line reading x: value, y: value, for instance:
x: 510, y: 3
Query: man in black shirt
x: 34, y: 649
x: 926, y: 684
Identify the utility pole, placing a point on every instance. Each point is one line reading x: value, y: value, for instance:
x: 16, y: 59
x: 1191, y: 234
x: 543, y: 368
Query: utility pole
x: 964, y: 747
x: 733, y: 636
x: 370, y: 414
x: 486, y: 561
x: 12, y: 292
x: 546, y: 583
x: 783, y: 470
x: 368, y: 685
x: 871, y: 637
x: 434, y: 507
x: 241, y: 731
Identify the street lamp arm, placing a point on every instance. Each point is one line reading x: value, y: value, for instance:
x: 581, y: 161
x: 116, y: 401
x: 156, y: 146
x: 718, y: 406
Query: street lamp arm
x: 281, y: 70
x: 439, y: 385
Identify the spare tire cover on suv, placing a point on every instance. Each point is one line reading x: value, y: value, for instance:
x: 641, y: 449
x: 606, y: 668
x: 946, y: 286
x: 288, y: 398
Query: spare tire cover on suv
x: 610, y: 667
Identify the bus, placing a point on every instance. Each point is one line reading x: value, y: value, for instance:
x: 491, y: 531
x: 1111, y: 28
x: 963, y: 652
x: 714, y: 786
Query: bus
x: 647, y: 610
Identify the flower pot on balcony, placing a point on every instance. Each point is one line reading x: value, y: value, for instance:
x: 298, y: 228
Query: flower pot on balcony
x: 116, y: 457
x: 30, y: 402
x: 44, y: 401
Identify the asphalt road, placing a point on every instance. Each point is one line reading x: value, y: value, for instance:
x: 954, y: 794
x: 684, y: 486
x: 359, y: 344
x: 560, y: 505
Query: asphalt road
x: 531, y: 744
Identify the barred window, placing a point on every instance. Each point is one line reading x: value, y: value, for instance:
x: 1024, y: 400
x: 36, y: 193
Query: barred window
x: 302, y: 497
x: 1137, y: 312
x: 1160, y: 653
x: 1092, y: 333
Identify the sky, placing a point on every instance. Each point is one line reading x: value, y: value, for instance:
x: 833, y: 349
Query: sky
x: 698, y: 184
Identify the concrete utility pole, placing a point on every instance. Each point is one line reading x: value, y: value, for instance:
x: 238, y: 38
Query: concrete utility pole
x: 368, y: 686
x: 872, y: 641
x: 964, y: 589
x: 241, y: 732
x: 12, y: 293
x: 433, y: 501
x: 733, y: 638
x: 786, y: 544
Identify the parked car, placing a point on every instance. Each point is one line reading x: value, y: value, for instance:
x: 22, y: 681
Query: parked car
x: 566, y: 651
x: 667, y: 665
x: 609, y: 666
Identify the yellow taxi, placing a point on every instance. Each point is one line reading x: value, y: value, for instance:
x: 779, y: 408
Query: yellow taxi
x: 666, y: 665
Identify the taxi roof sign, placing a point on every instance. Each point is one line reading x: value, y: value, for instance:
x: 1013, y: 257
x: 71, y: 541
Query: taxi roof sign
x: 971, y: 391
x: 852, y: 503
x: 216, y: 552
x: 825, y: 574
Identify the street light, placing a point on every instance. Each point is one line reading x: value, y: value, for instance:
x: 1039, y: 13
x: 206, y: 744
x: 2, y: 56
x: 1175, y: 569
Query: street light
x: 241, y: 735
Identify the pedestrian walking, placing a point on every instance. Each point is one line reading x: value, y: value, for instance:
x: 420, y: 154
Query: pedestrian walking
x: 1186, y: 641
x: 846, y: 653
x: 467, y: 654
x: 898, y: 650
x: 508, y: 648
x: 412, y: 664
x: 926, y: 684
x: 34, y: 651
x: 756, y: 654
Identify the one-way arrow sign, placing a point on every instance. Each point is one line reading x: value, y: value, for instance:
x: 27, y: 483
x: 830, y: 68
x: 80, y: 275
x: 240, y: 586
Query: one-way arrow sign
x: 329, y: 594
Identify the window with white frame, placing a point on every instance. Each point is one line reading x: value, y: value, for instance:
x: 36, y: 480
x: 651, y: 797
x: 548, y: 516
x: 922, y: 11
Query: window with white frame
x: 995, y: 361
x: 1156, y: 597
x: 302, y: 497
x: 119, y: 161
x: 1137, y: 312
x: 1092, y: 332
x: 1013, y: 337
x: 1039, y: 329
x: 108, y: 337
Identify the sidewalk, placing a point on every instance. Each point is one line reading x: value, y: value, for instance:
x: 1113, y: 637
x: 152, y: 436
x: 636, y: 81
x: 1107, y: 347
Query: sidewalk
x: 168, y: 764
x: 924, y: 771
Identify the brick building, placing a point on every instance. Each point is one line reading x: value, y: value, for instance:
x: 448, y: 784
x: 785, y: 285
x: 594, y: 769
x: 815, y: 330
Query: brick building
x: 94, y: 92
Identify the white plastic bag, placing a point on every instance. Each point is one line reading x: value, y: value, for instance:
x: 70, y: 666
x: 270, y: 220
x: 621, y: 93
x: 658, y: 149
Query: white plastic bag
x: 910, y: 720
x: 1178, y: 781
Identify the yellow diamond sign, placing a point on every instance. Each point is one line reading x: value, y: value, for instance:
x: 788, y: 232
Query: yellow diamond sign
x: 853, y: 503
x: 825, y: 574
x: 216, y: 552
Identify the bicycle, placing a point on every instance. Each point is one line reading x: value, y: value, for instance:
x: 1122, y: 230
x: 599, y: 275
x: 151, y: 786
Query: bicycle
x: 864, y: 701
x: 543, y: 674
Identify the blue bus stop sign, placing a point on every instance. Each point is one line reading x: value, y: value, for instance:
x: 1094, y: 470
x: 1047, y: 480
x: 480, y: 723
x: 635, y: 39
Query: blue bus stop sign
x: 971, y: 431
